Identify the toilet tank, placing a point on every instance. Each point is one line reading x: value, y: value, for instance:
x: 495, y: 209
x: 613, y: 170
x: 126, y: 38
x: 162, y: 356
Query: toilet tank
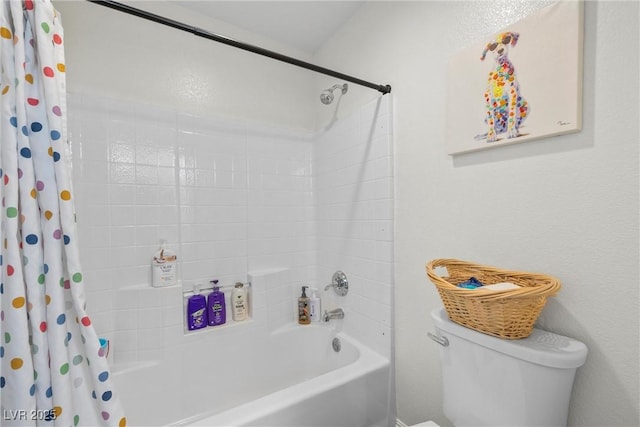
x: 489, y: 381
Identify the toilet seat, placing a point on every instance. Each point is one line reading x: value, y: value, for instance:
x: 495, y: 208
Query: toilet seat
x: 426, y: 424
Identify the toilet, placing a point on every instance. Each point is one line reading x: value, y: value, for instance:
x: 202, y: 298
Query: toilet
x: 489, y: 381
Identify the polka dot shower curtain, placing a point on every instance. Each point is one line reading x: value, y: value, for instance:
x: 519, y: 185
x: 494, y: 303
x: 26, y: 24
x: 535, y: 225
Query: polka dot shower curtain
x: 52, y: 368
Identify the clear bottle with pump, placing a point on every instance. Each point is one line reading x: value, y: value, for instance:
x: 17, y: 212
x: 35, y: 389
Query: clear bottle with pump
x: 315, y: 306
x: 196, y: 310
x: 163, y: 267
x: 303, y: 308
x: 239, y: 305
x: 216, y: 309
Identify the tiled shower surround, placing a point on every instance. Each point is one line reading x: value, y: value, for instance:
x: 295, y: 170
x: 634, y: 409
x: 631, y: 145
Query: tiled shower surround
x: 233, y: 199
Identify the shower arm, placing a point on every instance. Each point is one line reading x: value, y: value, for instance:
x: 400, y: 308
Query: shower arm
x: 343, y: 88
x: 384, y: 89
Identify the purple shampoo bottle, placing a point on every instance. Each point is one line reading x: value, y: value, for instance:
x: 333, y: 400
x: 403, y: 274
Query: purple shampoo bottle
x: 216, y: 309
x: 196, y: 310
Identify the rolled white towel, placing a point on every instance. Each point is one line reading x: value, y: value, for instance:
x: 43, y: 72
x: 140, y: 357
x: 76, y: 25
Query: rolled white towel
x: 502, y: 286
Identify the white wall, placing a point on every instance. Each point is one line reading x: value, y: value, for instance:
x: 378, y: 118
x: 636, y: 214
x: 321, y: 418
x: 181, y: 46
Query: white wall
x: 566, y: 206
x: 210, y: 147
x: 353, y: 191
x: 113, y: 54
x: 230, y: 197
x: 238, y: 202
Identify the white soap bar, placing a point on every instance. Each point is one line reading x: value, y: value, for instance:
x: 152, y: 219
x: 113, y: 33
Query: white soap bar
x: 502, y: 286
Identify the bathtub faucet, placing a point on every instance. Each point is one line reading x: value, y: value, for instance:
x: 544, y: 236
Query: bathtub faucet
x: 337, y: 313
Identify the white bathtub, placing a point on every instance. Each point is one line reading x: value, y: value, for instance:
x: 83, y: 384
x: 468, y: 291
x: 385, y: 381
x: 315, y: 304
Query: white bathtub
x: 291, y: 377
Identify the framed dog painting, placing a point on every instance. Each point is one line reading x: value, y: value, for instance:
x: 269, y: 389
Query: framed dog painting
x: 520, y: 84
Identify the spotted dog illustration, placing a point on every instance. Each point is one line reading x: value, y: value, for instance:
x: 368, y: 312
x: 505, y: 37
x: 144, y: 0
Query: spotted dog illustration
x: 506, y: 109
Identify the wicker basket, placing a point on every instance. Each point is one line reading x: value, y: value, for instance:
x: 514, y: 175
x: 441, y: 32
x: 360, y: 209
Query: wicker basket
x: 508, y: 314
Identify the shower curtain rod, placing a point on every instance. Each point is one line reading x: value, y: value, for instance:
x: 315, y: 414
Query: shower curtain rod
x: 384, y: 89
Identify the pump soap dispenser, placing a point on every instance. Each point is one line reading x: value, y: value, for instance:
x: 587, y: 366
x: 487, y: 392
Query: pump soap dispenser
x: 303, y: 308
x: 315, y: 306
x: 216, y: 309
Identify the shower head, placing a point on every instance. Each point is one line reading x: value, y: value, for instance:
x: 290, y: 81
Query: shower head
x: 326, y: 97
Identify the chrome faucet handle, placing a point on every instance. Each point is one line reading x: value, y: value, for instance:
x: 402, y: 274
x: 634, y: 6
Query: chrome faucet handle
x: 339, y: 283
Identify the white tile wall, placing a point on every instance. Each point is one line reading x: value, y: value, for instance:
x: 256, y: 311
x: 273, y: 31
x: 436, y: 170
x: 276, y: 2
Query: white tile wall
x: 354, y: 205
x: 231, y: 198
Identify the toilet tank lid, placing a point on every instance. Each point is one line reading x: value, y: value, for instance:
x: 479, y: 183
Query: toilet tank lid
x: 541, y: 347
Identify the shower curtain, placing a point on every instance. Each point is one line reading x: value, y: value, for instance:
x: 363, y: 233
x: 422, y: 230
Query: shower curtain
x: 53, y: 370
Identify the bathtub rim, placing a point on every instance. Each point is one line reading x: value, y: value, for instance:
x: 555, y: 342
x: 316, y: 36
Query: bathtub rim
x: 368, y: 361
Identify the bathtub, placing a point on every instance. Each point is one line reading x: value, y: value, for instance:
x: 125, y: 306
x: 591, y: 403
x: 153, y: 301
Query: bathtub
x: 289, y: 377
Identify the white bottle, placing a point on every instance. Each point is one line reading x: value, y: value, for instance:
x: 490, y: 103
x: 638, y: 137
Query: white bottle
x: 315, y: 306
x: 239, y: 307
x: 163, y: 267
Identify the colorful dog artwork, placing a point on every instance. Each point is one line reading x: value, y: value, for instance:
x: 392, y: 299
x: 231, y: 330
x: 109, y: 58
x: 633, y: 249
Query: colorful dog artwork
x: 506, y: 108
x: 518, y: 84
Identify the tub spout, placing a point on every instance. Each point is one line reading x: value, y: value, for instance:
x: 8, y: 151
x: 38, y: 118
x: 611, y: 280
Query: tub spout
x: 337, y: 313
